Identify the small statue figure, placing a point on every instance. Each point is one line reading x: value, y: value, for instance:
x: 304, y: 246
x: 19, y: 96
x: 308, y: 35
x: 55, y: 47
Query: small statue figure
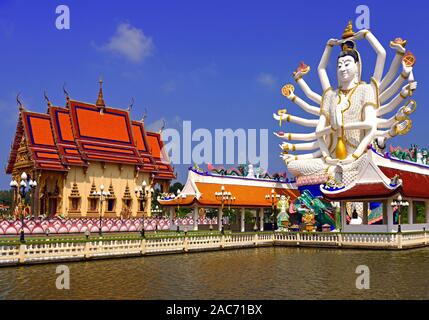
x: 283, y: 216
x: 309, y: 220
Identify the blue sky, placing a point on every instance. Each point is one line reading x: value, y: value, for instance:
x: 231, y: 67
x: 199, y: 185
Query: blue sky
x: 220, y: 64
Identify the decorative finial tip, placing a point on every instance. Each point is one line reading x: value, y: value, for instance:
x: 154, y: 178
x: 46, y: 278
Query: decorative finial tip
x: 348, y: 31
x: 18, y: 101
x: 100, y: 100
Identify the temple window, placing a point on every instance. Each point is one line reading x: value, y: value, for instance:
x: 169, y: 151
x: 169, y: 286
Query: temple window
x: 93, y: 199
x: 93, y: 204
x: 127, y: 199
x: 111, y: 205
x: 111, y: 199
x: 127, y: 203
x: 74, y: 199
x: 75, y: 204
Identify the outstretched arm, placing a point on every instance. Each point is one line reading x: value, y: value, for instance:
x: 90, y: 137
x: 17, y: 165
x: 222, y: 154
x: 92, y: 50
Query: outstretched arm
x: 396, y: 85
x: 304, y: 105
x: 393, y: 104
x: 378, y: 48
x: 297, y: 120
x: 321, y: 70
x: 303, y: 136
x: 290, y: 157
x: 310, y: 94
x: 400, y: 51
x: 300, y: 146
x: 386, y: 123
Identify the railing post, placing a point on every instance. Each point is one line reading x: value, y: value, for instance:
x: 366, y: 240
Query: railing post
x: 143, y: 246
x: 185, y: 244
x: 399, y: 235
x: 273, y: 238
x: 298, y: 238
x: 340, y: 239
x: 86, y: 250
x: 21, y: 255
x: 425, y: 237
x: 222, y: 241
x: 255, y: 239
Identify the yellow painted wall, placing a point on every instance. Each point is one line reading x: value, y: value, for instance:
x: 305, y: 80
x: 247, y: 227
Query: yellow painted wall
x: 112, y: 173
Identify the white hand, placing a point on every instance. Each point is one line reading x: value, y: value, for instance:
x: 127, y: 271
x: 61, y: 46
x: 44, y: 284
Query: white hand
x: 407, y: 70
x: 397, y: 47
x: 333, y: 42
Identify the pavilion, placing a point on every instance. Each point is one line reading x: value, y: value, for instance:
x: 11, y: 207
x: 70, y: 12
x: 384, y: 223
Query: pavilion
x: 381, y: 181
x: 204, y: 190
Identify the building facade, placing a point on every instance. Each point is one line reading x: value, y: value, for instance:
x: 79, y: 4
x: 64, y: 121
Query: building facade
x: 76, y: 151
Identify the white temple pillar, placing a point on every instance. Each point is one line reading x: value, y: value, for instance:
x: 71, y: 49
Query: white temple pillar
x: 261, y: 219
x: 365, y: 213
x: 219, y: 218
x: 170, y: 217
x: 410, y: 212
x: 195, y: 218
x: 385, y: 204
x: 242, y: 221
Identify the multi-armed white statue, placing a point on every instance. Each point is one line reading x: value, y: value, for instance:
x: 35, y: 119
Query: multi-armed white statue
x: 350, y: 115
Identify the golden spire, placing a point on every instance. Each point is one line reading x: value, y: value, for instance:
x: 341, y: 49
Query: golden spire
x: 100, y: 100
x: 348, y: 31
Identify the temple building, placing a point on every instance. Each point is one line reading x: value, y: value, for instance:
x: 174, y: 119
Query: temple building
x: 76, y: 151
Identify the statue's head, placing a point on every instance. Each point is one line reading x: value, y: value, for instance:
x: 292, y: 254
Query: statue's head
x: 283, y: 197
x: 348, y: 64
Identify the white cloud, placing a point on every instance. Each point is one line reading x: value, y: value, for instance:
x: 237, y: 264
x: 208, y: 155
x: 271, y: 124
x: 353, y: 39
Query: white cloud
x: 266, y: 79
x: 130, y: 42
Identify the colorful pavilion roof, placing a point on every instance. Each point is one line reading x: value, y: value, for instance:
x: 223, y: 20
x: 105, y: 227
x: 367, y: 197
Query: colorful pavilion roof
x: 200, y: 190
x: 81, y: 133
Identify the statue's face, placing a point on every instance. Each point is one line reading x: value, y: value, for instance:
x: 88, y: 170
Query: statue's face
x: 347, y: 69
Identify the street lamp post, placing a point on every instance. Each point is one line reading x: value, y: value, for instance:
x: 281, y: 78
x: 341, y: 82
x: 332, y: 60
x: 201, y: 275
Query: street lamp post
x: 158, y: 214
x: 143, y: 193
x: 399, y: 204
x: 102, y: 195
x: 273, y: 197
x: 20, y: 192
x: 224, y: 196
x: 180, y: 197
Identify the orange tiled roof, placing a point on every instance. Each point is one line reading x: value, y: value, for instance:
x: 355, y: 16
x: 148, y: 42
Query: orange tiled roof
x: 246, y: 196
x: 41, y: 141
x: 200, y: 189
x: 83, y: 132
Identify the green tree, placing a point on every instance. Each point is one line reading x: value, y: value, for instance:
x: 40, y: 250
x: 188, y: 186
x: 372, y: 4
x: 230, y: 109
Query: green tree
x: 176, y: 186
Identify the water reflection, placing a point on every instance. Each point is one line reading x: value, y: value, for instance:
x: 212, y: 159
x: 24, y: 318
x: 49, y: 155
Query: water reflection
x: 263, y: 273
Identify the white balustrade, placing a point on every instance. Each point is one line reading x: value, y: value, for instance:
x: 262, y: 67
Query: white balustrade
x: 50, y: 250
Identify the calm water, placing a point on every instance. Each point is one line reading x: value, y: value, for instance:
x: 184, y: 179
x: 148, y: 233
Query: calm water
x: 263, y: 273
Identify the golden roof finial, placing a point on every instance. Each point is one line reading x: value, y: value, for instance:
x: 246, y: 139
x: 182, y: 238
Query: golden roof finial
x: 348, y: 31
x: 100, y: 100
